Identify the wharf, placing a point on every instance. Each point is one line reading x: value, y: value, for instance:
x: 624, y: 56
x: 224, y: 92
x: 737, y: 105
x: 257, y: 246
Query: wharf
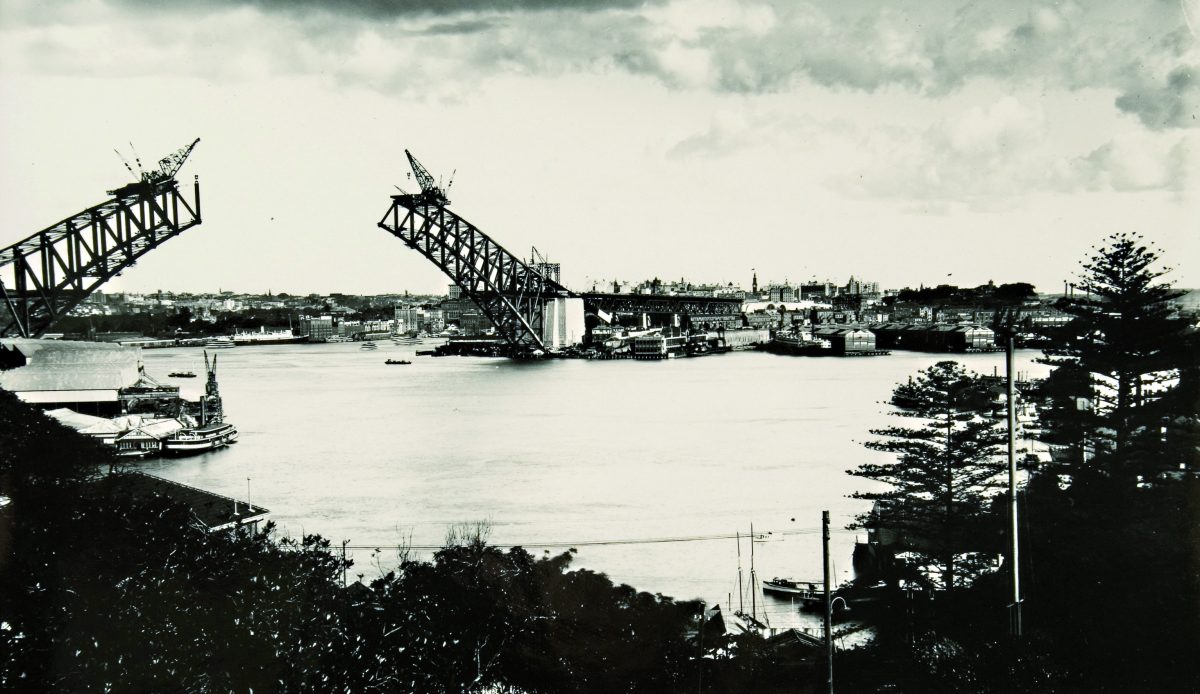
x: 818, y: 351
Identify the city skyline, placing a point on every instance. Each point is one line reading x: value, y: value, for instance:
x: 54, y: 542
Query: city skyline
x: 635, y: 140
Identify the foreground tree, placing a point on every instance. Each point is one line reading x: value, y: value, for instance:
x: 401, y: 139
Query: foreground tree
x: 943, y: 473
x: 1119, y: 362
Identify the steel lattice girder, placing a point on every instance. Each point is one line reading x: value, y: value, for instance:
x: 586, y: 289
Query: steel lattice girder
x: 663, y: 303
x: 46, y: 275
x: 510, y: 293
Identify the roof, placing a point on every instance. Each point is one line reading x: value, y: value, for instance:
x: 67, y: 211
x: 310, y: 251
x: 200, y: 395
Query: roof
x: 84, y: 423
x: 215, y: 511
x: 60, y: 365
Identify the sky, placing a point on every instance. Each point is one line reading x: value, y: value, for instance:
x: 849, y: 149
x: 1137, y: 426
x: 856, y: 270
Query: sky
x: 904, y: 143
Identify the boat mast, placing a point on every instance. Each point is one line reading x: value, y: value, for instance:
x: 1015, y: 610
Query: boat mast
x: 741, y: 590
x: 753, y: 579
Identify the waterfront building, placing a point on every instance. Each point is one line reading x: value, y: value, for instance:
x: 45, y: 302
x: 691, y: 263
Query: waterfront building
x: 714, y: 321
x: 466, y: 315
x: 435, y: 320
x: 843, y: 339
x: 316, y: 328
x: 939, y: 337
x: 92, y: 377
x: 408, y: 319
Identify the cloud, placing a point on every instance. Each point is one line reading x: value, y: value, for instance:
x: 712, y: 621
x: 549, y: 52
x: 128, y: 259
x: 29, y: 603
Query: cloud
x: 1134, y: 162
x: 985, y: 155
x: 1173, y: 103
x: 1142, y: 51
x: 388, y: 9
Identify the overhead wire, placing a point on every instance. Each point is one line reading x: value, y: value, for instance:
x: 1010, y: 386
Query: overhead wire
x: 761, y: 537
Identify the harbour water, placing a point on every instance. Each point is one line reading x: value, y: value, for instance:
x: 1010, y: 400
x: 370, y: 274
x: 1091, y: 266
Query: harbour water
x: 335, y: 442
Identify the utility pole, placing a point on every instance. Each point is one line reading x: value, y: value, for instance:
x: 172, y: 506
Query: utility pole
x: 1015, y: 617
x: 344, y: 543
x: 753, y: 581
x: 828, y: 604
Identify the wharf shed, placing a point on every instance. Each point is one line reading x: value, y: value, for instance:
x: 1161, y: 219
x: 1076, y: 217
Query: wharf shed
x: 899, y: 335
x: 939, y: 337
x: 958, y: 338
x: 843, y: 339
x: 92, y: 377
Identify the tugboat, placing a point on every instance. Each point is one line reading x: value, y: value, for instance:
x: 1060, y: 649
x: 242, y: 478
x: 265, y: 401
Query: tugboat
x: 403, y: 362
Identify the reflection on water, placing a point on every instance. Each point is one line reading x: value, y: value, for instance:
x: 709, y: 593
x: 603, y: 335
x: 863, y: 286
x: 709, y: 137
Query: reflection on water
x: 337, y: 443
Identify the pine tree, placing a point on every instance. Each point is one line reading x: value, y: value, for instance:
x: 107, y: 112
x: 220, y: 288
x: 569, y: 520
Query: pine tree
x: 943, y: 474
x: 1118, y: 361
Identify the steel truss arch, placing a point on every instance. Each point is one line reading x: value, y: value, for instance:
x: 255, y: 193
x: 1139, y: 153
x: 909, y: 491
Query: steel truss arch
x: 46, y: 275
x: 510, y: 293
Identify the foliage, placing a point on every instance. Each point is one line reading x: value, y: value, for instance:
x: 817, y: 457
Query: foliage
x: 35, y: 448
x: 988, y: 296
x: 943, y: 472
x: 1118, y: 360
x: 100, y: 591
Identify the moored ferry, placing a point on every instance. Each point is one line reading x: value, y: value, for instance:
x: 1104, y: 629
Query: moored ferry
x: 219, y: 343
x: 200, y: 439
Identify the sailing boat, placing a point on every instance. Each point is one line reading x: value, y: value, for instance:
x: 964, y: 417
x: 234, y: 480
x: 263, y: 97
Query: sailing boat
x: 752, y: 617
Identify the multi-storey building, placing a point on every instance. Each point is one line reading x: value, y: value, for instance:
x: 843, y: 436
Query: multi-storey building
x: 316, y: 328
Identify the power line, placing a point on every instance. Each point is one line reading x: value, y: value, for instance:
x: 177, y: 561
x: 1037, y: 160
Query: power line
x: 761, y: 537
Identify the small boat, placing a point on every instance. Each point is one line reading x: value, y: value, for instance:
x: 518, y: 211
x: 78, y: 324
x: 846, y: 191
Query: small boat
x: 369, y: 345
x: 182, y: 374
x: 397, y: 361
x: 803, y: 590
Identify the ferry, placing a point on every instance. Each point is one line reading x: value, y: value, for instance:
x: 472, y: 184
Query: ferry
x: 182, y: 374
x: 200, y: 439
x: 282, y: 336
x: 337, y: 338
x: 219, y: 343
x: 403, y: 362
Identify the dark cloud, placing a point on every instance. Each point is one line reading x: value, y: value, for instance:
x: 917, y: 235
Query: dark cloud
x: 1173, y: 104
x: 393, y: 9
x: 467, y: 26
x: 1144, y: 53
